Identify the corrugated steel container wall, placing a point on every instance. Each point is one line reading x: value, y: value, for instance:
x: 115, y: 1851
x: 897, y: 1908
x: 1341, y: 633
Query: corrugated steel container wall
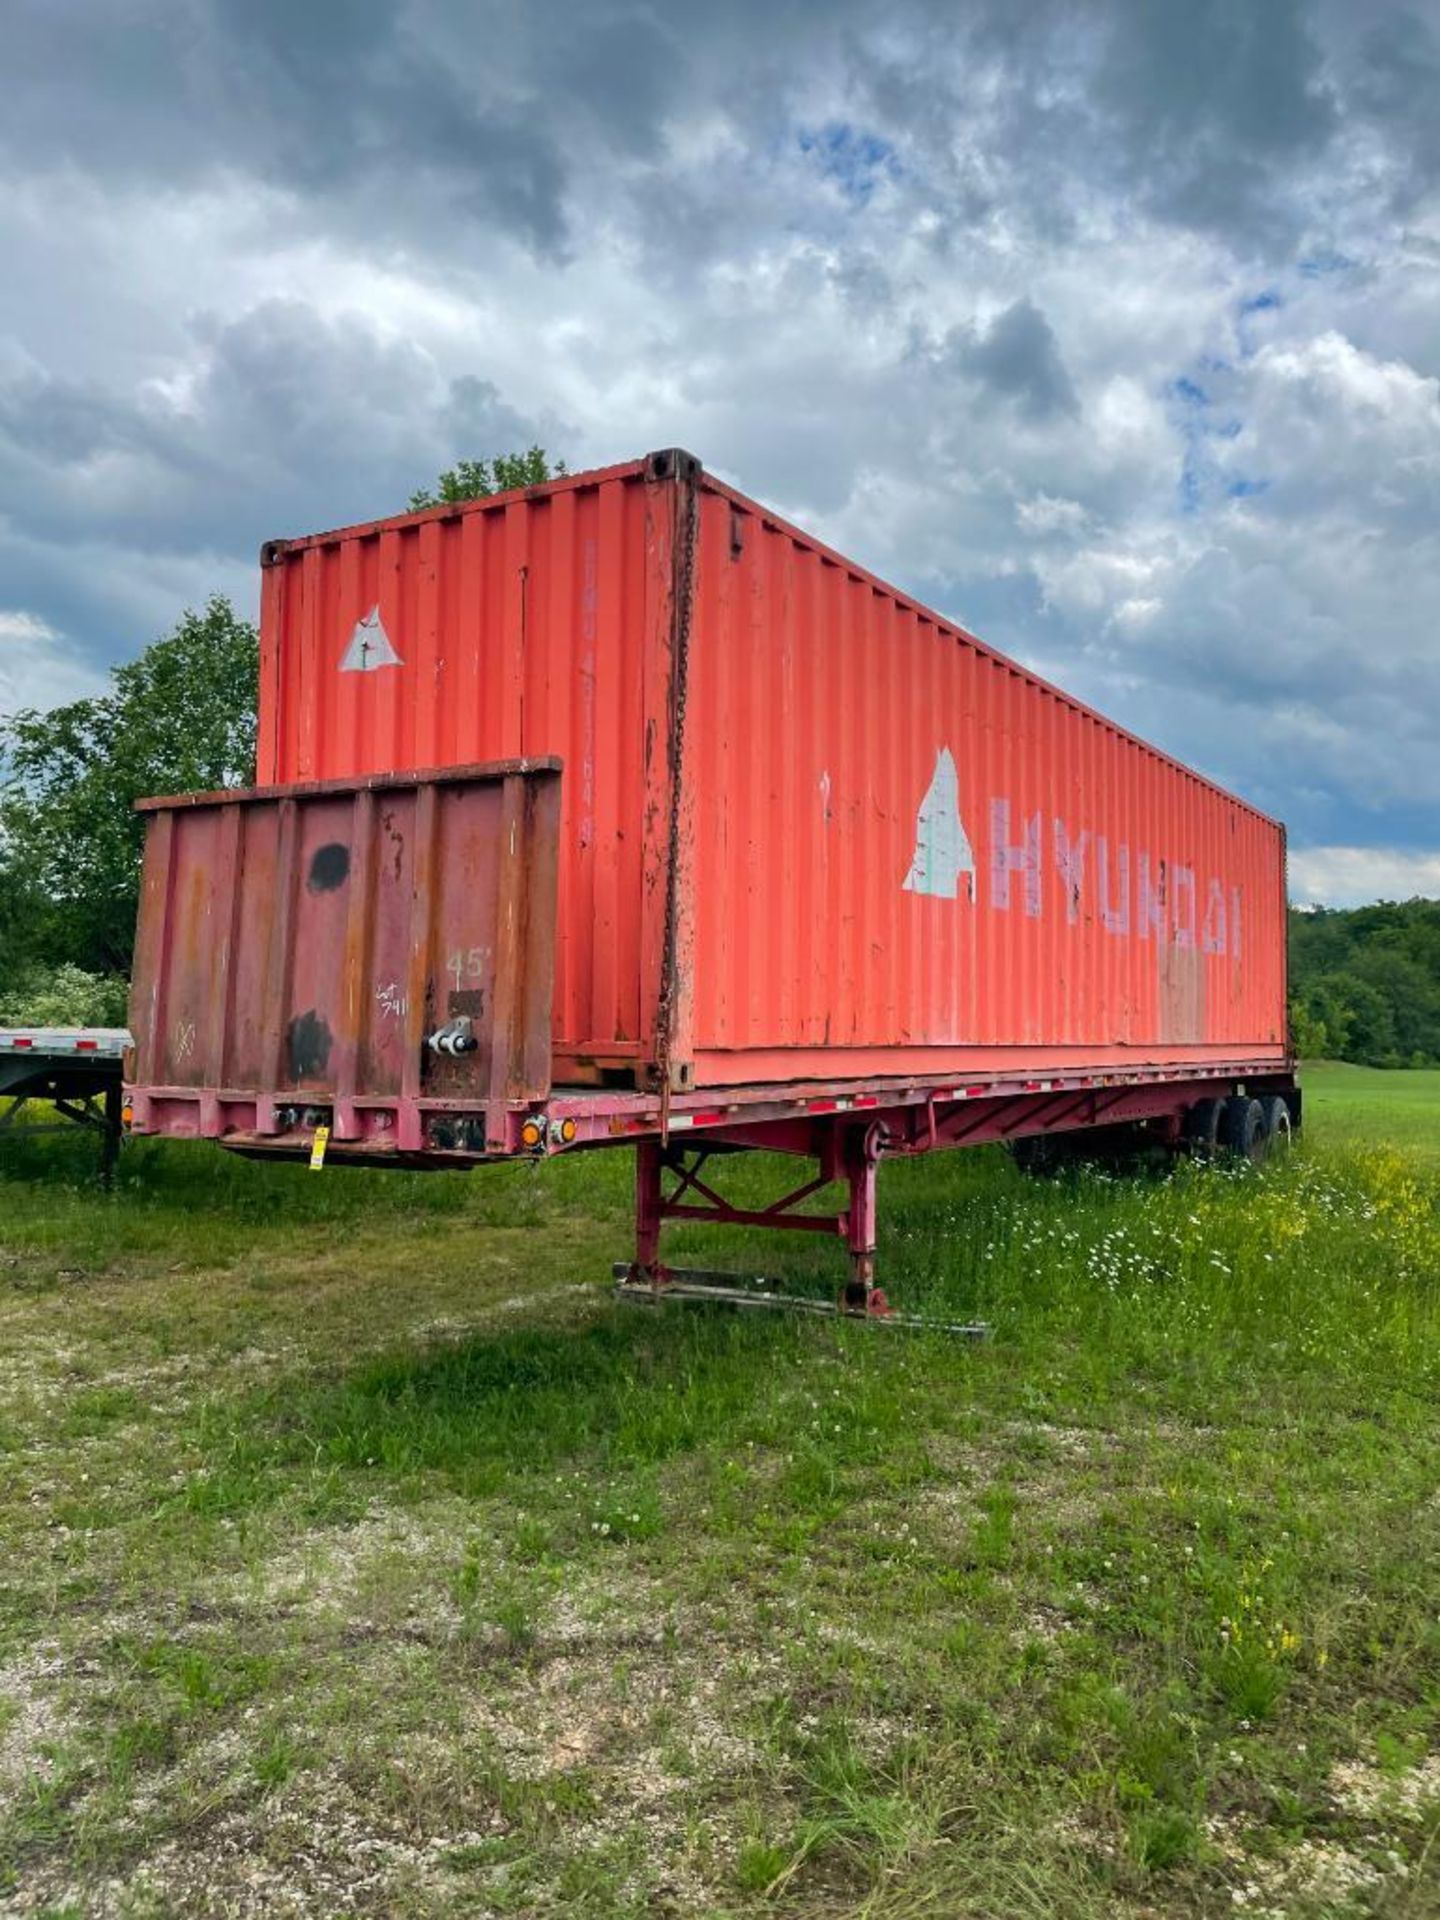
x: 1072, y: 895
x: 305, y: 941
x: 542, y: 617
x: 1098, y: 901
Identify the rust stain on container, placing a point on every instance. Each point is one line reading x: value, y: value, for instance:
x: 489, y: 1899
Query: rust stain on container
x: 287, y: 945
x: 870, y: 846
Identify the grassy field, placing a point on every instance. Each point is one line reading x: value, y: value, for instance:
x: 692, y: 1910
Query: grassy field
x: 360, y: 1555
x: 1355, y: 1106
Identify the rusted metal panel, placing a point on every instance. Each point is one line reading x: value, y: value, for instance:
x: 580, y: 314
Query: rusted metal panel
x: 307, y: 943
x: 808, y: 828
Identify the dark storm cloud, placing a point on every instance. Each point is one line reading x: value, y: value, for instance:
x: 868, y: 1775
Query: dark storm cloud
x: 1203, y: 114
x: 1396, y: 86
x: 271, y: 425
x: 342, y: 104
x: 1017, y: 358
x: 407, y: 117
x: 1216, y: 81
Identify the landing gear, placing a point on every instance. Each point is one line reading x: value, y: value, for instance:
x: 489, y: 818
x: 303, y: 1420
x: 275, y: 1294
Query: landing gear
x: 851, y: 1155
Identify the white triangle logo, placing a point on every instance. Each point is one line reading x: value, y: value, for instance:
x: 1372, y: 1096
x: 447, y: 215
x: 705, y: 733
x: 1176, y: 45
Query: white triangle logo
x: 942, y: 847
x: 369, y: 646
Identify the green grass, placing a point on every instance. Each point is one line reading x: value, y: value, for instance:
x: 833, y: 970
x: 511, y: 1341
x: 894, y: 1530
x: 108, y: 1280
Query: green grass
x: 1359, y: 1106
x: 362, y: 1554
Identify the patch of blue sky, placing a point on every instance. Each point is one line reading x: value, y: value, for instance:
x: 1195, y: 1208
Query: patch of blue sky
x: 1200, y: 422
x: 856, y: 160
x: 1192, y: 482
x: 1250, y: 310
x: 1245, y: 489
x: 1188, y: 392
x: 1316, y: 265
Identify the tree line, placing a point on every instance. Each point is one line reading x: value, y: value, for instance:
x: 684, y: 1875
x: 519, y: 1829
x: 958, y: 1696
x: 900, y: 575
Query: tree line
x: 1365, y: 983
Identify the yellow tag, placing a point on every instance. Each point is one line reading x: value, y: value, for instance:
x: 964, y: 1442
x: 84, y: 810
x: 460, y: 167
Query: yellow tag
x: 317, y: 1148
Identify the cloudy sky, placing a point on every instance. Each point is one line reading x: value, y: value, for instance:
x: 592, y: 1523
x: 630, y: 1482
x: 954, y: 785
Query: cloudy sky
x: 1111, y: 329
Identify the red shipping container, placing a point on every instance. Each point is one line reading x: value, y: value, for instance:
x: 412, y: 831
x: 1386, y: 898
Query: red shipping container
x: 808, y: 827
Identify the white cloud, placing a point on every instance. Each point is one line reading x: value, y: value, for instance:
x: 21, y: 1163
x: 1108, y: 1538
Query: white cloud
x: 1354, y: 876
x: 38, y: 668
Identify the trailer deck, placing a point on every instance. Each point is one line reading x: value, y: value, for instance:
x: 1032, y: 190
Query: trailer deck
x: 78, y: 1071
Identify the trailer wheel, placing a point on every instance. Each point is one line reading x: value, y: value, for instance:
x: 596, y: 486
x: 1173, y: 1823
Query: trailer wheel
x: 1242, y: 1128
x: 1279, y: 1129
x: 1202, y: 1128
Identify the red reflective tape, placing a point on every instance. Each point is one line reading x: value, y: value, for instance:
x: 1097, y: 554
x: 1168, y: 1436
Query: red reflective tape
x: 867, y: 1100
x: 86, y: 1046
x: 970, y: 1092
x: 23, y: 1041
x: 822, y: 1106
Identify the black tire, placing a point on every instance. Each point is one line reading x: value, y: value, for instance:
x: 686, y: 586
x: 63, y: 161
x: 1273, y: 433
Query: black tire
x: 1242, y: 1128
x: 1279, y: 1128
x: 1202, y: 1128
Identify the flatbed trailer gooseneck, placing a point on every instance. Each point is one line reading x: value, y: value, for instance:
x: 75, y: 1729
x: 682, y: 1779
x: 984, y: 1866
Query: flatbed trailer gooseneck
x: 617, y: 811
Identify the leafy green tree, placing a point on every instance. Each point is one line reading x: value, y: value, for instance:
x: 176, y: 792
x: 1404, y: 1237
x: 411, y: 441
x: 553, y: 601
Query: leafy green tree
x: 1365, y: 982
x: 1372, y: 1028
x: 1410, y: 996
x: 1326, y: 1003
x: 477, y: 479
x: 181, y: 718
x: 64, y: 996
x: 1309, y: 1035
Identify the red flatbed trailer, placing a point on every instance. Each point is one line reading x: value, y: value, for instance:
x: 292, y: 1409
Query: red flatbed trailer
x: 618, y: 811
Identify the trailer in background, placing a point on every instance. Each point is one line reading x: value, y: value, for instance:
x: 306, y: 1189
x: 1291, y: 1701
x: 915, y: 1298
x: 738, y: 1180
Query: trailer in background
x: 77, y: 1071
x: 619, y: 811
